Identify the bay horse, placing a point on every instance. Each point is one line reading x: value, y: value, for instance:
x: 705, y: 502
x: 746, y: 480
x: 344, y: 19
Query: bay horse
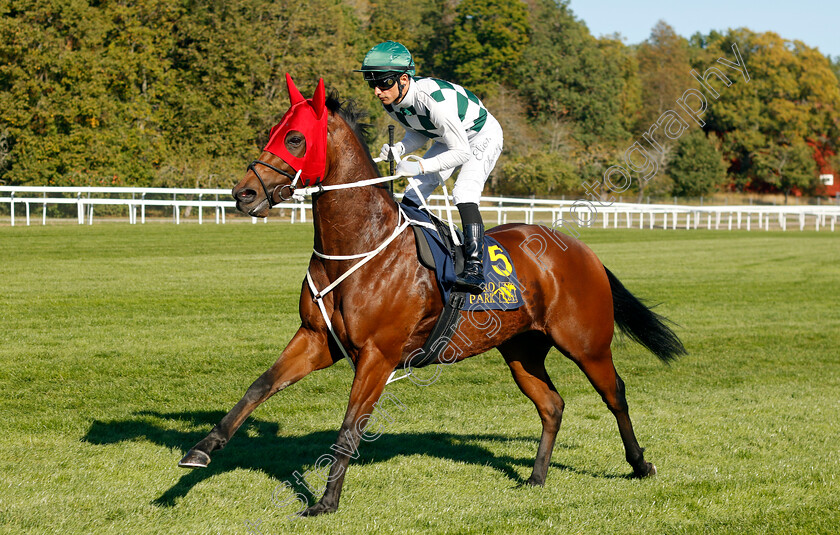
x: 386, y: 309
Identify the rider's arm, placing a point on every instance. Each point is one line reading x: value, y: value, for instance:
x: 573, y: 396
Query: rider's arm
x: 413, y: 141
x: 454, y: 138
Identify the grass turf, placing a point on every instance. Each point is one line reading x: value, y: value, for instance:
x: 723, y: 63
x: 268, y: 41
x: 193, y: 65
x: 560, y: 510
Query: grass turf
x: 123, y: 345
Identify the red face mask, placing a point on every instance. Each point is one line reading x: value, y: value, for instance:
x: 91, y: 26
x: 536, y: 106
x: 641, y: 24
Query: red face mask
x: 309, y: 117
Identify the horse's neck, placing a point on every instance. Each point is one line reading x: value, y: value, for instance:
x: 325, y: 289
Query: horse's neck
x: 354, y: 220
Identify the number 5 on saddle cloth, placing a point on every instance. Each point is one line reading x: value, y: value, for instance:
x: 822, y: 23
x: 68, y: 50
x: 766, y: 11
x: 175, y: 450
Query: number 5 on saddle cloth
x: 503, y: 290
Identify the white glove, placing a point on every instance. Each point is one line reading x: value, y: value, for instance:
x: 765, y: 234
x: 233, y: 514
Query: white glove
x: 397, y: 149
x: 410, y: 168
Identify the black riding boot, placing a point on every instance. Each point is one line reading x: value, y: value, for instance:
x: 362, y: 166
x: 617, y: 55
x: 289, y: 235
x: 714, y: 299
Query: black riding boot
x: 472, y: 278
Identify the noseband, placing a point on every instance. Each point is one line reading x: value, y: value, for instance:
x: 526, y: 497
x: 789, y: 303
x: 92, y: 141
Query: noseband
x: 270, y: 197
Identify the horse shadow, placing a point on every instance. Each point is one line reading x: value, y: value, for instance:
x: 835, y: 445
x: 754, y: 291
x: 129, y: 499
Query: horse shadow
x: 258, y: 445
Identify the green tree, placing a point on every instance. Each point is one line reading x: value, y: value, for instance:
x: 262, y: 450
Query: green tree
x: 231, y: 86
x: 835, y: 67
x: 78, y: 86
x: 663, y: 71
x: 787, y: 166
x: 158, y: 92
x: 696, y: 166
x: 563, y: 74
x: 664, y: 74
x: 576, y: 83
x: 487, y: 42
x: 623, y: 60
x: 537, y: 172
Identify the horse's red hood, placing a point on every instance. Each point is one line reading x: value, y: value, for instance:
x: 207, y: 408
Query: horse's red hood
x: 309, y: 117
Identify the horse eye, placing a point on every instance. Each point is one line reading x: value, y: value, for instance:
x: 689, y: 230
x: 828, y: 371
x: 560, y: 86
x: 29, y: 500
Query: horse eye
x: 295, y: 140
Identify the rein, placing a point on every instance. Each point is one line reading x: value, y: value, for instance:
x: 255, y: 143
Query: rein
x: 298, y: 194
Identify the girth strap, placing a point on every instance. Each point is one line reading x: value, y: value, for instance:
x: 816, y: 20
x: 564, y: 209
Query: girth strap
x: 443, y: 328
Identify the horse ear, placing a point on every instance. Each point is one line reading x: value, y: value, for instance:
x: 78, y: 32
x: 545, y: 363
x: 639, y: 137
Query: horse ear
x: 294, y: 94
x: 319, y: 98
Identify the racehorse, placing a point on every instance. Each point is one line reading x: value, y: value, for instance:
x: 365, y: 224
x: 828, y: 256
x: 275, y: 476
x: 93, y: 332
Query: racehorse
x: 385, y: 310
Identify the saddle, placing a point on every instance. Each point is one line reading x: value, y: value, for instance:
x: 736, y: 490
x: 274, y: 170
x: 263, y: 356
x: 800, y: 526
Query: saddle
x: 424, y: 250
x: 437, y: 251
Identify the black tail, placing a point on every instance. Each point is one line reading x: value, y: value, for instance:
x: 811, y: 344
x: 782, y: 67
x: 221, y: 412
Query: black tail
x: 641, y: 324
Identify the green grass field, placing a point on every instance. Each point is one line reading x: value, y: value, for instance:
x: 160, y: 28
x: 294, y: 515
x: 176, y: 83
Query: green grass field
x: 123, y: 345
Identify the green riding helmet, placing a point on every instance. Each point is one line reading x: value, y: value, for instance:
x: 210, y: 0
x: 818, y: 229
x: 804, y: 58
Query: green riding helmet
x: 387, y: 59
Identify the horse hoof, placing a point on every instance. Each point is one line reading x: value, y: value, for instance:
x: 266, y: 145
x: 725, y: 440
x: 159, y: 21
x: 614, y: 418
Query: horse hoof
x: 194, y: 459
x: 318, y: 509
x: 650, y: 471
x: 532, y: 482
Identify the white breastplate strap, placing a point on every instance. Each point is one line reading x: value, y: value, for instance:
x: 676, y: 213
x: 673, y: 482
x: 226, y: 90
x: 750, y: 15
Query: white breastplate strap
x: 365, y: 257
x: 327, y: 319
x: 402, y: 223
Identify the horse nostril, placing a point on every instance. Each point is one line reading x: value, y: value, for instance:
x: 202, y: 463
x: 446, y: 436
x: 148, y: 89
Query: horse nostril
x: 246, y: 195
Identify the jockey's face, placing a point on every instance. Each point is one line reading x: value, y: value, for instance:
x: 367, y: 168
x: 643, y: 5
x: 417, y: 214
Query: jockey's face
x: 390, y: 95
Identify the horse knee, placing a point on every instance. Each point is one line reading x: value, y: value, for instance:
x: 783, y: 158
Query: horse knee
x: 552, y: 414
x: 259, y: 389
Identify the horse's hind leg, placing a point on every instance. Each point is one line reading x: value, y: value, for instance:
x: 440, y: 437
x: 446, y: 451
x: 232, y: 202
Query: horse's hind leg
x: 601, y: 373
x: 307, y: 351
x: 525, y: 354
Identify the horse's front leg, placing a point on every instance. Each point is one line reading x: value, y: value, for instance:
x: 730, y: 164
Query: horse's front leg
x: 307, y: 351
x: 372, y: 373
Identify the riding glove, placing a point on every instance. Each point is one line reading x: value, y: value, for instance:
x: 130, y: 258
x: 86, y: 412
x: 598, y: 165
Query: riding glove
x: 397, y: 149
x: 410, y: 168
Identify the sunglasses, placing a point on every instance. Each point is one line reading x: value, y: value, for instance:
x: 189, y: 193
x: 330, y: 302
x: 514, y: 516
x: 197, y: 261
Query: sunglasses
x: 383, y: 83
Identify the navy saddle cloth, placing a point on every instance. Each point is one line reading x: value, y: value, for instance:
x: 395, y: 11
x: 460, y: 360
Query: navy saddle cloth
x: 502, y: 291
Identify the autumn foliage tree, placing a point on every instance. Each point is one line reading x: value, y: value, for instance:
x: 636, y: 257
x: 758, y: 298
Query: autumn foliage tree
x: 764, y: 124
x: 183, y: 92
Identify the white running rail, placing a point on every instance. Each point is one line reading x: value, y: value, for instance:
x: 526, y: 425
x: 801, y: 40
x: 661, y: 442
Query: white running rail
x: 505, y: 209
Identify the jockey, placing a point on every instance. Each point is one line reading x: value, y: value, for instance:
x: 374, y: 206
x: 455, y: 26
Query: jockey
x: 463, y: 132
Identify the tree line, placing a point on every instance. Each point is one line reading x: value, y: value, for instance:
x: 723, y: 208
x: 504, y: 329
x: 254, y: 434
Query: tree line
x: 184, y: 92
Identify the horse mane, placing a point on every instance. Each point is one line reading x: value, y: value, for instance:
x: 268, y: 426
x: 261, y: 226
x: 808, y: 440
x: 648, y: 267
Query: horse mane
x: 354, y: 116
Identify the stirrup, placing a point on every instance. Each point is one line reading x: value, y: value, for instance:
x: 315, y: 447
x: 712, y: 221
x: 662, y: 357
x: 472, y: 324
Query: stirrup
x: 471, y: 283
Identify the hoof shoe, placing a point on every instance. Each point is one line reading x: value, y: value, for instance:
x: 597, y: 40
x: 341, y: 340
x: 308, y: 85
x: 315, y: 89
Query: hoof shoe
x: 650, y: 471
x: 194, y: 459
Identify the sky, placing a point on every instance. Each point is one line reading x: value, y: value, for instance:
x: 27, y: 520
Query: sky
x: 814, y: 22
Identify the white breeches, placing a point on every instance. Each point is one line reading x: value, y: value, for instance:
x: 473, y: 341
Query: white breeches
x: 485, y: 148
